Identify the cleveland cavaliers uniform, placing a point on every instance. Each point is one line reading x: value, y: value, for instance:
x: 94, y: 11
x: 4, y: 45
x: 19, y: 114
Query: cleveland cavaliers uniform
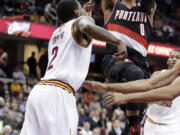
x: 163, y: 120
x: 132, y: 26
x: 51, y: 106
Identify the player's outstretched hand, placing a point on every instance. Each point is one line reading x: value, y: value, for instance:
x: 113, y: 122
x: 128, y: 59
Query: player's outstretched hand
x: 122, y: 53
x: 114, y: 98
x: 88, y: 6
x: 95, y: 86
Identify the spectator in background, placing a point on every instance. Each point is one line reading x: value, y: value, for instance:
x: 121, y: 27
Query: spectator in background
x: 3, y: 62
x: 93, y: 119
x: 4, y: 110
x: 15, y: 87
x: 43, y: 61
x: 50, y: 11
x: 86, y: 129
x: 4, y: 90
x: 22, y: 107
x: 32, y: 65
x: 7, y: 130
x: 168, y: 30
x: 29, y: 86
x: 30, y: 6
x: 82, y: 117
x: 96, y: 131
x: 16, y: 116
x: 116, y: 130
x: 1, y: 102
x: 18, y: 74
x: 26, y: 7
x: 7, y: 97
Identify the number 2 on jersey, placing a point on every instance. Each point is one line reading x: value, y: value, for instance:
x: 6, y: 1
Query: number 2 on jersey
x: 54, y: 53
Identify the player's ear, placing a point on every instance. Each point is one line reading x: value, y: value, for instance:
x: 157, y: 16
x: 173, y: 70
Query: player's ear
x: 77, y: 12
x: 168, y: 62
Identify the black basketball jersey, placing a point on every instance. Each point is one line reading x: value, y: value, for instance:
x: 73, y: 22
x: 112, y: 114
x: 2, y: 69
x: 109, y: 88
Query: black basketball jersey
x: 131, y: 25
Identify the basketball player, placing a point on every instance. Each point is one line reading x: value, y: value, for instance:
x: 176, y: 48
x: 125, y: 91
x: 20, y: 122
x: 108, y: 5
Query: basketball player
x: 160, y: 120
x: 163, y: 120
x: 133, y: 24
x: 51, y: 106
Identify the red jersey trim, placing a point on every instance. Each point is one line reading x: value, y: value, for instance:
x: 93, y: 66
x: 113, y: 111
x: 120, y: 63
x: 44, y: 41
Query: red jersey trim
x: 129, y: 33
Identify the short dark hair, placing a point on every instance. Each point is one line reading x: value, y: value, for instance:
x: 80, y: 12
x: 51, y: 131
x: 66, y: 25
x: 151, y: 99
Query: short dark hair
x: 176, y: 50
x: 65, y: 10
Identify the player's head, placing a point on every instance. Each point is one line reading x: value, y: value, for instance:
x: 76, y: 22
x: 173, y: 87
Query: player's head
x: 174, y: 56
x: 69, y: 9
x: 3, y: 58
x: 116, y: 123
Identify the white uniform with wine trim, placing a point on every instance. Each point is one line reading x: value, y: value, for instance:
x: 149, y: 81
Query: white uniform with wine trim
x: 51, y: 106
x: 168, y: 119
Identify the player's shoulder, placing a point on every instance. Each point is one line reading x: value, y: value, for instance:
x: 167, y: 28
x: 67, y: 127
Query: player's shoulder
x: 157, y: 72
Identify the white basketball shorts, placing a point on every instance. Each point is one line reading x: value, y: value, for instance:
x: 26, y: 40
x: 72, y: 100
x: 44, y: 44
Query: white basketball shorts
x: 50, y: 110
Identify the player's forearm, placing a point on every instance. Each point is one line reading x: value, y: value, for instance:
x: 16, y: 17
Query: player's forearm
x: 164, y: 93
x: 164, y: 78
x: 107, y: 4
x: 130, y: 87
x: 150, y: 96
x: 99, y: 33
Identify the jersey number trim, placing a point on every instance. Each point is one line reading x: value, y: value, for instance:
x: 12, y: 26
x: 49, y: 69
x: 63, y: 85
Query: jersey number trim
x: 54, y: 53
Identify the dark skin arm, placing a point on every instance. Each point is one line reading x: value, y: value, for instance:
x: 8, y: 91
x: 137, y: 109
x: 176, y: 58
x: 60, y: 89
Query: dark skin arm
x: 151, y: 15
x: 85, y: 25
x: 107, y: 6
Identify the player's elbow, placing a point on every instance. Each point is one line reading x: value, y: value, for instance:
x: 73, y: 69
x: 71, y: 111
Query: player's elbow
x: 83, y: 27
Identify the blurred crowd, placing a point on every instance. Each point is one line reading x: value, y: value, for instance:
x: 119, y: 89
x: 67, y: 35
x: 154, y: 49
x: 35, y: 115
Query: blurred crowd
x: 95, y: 119
x: 13, y: 97
x: 166, y: 21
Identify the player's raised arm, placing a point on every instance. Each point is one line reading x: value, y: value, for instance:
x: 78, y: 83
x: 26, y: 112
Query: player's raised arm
x: 107, y: 4
x: 107, y: 7
x: 86, y: 25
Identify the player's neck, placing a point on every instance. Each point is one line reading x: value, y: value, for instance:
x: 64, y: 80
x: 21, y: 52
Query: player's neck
x: 129, y: 3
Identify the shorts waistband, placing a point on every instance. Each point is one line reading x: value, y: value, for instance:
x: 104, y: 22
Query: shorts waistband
x: 58, y: 83
x: 153, y: 122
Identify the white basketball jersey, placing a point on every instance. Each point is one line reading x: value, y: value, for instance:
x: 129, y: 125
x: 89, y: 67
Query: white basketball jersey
x: 67, y: 60
x: 166, y: 115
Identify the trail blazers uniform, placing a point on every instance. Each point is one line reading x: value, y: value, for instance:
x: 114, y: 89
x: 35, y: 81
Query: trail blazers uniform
x: 132, y: 26
x: 51, y: 106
